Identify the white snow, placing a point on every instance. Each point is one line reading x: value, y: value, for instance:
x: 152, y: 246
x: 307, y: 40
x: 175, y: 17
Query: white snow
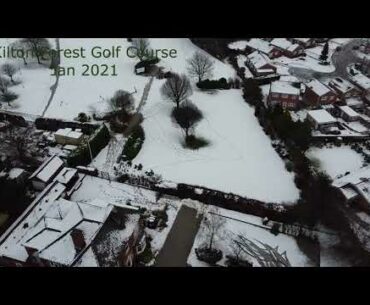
x: 252, y: 228
x: 321, y: 116
x: 239, y: 159
x: 336, y: 161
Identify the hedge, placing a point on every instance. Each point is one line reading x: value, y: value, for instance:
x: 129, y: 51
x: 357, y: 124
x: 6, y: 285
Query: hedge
x: 133, y: 144
x: 81, y: 156
x: 213, y: 84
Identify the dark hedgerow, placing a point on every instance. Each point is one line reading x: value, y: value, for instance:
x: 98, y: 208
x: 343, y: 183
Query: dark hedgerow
x: 214, y: 84
x: 133, y: 144
x: 97, y: 141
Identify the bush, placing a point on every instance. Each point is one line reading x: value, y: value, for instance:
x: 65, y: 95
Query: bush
x: 213, y: 84
x: 133, y: 144
x: 275, y: 229
x: 83, y: 117
x: 194, y: 142
x: 210, y: 256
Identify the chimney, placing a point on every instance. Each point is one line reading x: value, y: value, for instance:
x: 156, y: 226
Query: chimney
x: 78, y: 239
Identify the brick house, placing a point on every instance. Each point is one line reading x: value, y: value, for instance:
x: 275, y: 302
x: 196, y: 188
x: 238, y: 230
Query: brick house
x: 285, y: 94
x: 343, y: 88
x: 263, y: 46
x: 316, y: 93
x: 304, y: 42
x: 287, y: 48
x: 259, y: 64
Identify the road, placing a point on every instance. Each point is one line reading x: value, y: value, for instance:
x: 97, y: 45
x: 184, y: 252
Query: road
x: 341, y: 60
x: 180, y: 239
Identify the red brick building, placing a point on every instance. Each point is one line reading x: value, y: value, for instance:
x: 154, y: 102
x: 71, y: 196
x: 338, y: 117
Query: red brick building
x: 285, y: 94
x: 316, y: 93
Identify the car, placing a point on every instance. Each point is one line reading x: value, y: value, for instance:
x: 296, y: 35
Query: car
x: 338, y: 49
x: 355, y: 47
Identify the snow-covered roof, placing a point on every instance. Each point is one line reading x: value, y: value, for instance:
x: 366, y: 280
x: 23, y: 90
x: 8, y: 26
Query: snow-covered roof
x: 63, y: 131
x: 15, y: 172
x: 321, y: 116
x: 68, y: 132
x: 358, y: 182
x: 318, y: 87
x: 341, y: 85
x: 284, y: 88
x: 361, y: 80
x: 48, y: 224
x: 284, y: 44
x: 260, y: 45
x: 304, y: 40
x: 257, y: 59
x: 349, y: 111
x: 238, y: 45
x: 66, y: 175
x: 48, y: 169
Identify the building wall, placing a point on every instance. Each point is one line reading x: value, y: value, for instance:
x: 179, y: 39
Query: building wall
x: 287, y: 101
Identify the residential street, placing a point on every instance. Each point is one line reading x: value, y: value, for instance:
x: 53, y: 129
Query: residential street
x: 180, y: 239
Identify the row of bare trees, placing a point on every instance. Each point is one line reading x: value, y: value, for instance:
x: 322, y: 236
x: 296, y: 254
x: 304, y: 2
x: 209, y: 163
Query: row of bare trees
x: 7, y: 72
x: 178, y: 90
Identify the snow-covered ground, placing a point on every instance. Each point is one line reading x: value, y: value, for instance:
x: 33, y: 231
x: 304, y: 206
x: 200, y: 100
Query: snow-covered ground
x: 336, y: 161
x: 34, y: 87
x: 252, y: 228
x: 239, y: 158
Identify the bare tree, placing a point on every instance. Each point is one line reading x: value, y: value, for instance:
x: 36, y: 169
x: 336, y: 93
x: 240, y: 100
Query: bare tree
x: 9, y: 70
x: 4, y: 84
x: 200, y: 66
x: 177, y: 89
x: 265, y: 255
x: 142, y: 47
x: 213, y: 224
x: 19, y: 139
x: 39, y: 46
x: 187, y: 116
x: 122, y: 101
x: 8, y: 97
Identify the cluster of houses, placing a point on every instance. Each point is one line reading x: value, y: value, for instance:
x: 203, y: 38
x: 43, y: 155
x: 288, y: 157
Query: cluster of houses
x: 56, y: 230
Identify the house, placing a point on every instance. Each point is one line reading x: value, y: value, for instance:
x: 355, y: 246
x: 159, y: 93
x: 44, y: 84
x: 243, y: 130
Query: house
x: 68, y: 136
x: 321, y: 119
x: 360, y: 80
x: 355, y: 188
x: 287, y: 48
x: 259, y: 64
x: 316, y: 93
x: 285, y: 94
x: 46, y: 172
x: 57, y: 232
x: 343, y: 88
x: 304, y: 42
x: 348, y: 114
x: 263, y: 46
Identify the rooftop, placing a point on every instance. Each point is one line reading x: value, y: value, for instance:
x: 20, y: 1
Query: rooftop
x: 321, y: 116
x: 319, y: 88
x: 284, y: 87
x: 48, y: 169
x: 349, y: 111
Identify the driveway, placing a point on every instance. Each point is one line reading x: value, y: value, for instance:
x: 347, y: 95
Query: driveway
x: 180, y: 239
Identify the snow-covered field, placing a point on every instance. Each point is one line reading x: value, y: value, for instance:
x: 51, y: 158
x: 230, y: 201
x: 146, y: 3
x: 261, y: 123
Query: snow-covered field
x: 252, y: 228
x: 239, y: 159
x: 336, y: 161
x: 35, y: 82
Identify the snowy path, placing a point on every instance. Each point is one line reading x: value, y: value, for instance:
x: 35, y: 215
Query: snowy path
x: 54, y: 87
